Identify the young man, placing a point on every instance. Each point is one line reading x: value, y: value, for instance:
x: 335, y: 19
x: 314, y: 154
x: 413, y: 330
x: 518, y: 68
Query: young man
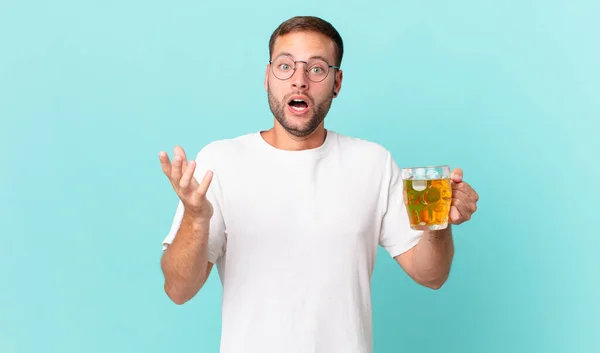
x: 293, y: 216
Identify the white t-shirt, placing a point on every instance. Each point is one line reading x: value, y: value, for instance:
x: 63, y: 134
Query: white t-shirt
x: 294, y: 237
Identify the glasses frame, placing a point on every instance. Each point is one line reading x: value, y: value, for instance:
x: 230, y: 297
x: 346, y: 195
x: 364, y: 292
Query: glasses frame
x: 329, y: 67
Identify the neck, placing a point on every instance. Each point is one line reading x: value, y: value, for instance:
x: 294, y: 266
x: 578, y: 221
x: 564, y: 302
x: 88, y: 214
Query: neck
x: 279, y: 138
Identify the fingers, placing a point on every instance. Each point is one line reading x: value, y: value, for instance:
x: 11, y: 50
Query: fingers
x: 463, y: 211
x: 165, y: 163
x: 466, y: 199
x: 454, y: 214
x: 178, y: 151
x: 457, y: 175
x: 177, y: 168
x: 203, y: 187
x: 467, y: 189
x: 187, y: 175
x: 181, y: 173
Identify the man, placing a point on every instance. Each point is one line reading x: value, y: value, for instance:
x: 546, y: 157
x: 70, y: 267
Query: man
x: 293, y: 216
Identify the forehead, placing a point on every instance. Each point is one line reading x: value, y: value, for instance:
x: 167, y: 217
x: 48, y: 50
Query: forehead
x: 303, y: 45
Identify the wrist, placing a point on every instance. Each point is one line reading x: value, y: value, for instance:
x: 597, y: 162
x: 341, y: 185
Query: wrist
x: 197, y: 221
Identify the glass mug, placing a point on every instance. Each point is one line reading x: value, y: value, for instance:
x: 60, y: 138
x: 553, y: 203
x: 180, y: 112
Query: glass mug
x: 427, y: 194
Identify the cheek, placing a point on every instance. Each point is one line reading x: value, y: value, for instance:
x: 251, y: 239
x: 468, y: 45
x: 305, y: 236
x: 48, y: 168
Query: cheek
x: 275, y: 96
x: 325, y: 88
x: 276, y: 89
x: 322, y: 94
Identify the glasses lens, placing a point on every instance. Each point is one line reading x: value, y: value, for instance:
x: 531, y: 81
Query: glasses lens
x: 317, y: 70
x: 283, y: 68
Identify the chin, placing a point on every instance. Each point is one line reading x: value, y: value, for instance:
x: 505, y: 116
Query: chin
x: 300, y: 129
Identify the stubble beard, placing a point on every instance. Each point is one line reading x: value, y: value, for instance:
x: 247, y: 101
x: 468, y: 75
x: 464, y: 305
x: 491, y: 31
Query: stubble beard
x: 278, y: 108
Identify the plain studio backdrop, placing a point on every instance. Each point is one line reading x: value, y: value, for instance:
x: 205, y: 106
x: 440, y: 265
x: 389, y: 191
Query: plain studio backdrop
x: 91, y: 91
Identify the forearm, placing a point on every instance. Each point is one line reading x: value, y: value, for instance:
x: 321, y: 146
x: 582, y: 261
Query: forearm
x: 184, y: 262
x: 433, y: 256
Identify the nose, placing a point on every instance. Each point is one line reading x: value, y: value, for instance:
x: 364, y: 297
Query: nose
x: 299, y: 80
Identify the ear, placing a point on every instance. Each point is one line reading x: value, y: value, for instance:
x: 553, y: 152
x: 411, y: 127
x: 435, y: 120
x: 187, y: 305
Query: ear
x: 337, y: 83
x: 267, y: 78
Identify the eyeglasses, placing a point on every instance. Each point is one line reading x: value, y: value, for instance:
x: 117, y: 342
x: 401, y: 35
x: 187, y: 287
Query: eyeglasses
x: 284, y: 67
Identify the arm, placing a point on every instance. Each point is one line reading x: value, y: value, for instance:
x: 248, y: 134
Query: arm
x: 428, y: 263
x: 185, y: 262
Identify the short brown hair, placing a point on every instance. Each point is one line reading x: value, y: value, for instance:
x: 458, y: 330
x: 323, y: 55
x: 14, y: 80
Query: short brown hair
x: 309, y: 23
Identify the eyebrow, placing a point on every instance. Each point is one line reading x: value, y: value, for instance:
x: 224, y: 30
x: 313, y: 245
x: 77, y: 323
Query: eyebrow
x: 312, y: 57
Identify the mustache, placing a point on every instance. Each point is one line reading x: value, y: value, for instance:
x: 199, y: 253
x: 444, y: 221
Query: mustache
x: 288, y: 97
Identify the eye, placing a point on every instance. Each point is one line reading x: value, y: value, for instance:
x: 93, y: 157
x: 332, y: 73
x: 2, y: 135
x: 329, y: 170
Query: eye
x: 316, y: 70
x: 284, y: 67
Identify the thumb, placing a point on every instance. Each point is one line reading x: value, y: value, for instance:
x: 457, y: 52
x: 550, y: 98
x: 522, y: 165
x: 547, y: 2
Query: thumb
x: 457, y: 175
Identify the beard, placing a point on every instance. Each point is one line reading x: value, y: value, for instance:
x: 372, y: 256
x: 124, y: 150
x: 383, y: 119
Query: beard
x: 279, y: 108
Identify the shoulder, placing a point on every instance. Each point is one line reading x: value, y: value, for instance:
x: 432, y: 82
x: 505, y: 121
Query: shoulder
x: 226, y: 148
x: 363, y: 149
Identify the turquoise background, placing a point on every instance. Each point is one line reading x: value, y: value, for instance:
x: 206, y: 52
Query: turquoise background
x: 91, y: 91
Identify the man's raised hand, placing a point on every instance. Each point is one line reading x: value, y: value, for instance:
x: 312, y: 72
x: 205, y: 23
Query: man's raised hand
x: 191, y: 193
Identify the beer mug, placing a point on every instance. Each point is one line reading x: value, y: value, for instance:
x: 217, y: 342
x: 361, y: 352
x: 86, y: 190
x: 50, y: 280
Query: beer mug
x: 427, y: 194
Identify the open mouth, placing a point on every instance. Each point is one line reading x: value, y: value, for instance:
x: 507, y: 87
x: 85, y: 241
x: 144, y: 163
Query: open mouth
x: 298, y: 105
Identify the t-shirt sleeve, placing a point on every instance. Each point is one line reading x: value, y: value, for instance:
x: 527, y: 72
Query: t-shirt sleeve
x: 217, y: 238
x: 396, y: 235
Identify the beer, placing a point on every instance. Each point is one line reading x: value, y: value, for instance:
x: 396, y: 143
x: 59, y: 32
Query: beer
x: 427, y: 194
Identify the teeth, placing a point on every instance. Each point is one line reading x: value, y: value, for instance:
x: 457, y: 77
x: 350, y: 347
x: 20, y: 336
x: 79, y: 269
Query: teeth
x: 298, y: 108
